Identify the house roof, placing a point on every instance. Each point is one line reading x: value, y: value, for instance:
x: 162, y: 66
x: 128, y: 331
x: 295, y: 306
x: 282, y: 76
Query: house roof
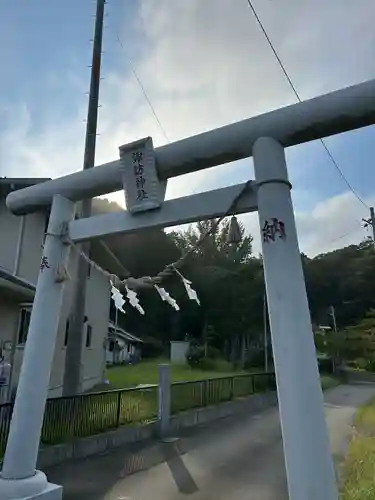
x: 122, y: 333
x: 15, y: 286
x: 8, y: 184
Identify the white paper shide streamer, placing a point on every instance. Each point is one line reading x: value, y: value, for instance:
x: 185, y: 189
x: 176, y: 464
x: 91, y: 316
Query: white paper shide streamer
x: 167, y: 298
x: 118, y: 298
x: 192, y: 294
x: 164, y: 295
x: 133, y: 300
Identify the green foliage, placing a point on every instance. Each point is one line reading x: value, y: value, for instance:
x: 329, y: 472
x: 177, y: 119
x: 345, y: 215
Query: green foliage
x: 207, y: 358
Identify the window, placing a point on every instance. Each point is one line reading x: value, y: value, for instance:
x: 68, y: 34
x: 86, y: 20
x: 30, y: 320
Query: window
x: 88, y: 335
x: 111, y: 346
x: 66, y: 333
x: 45, y: 228
x: 46, y: 222
x: 25, y: 315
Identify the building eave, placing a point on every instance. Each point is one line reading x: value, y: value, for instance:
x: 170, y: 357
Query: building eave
x: 15, y: 287
x: 122, y: 333
x: 9, y: 184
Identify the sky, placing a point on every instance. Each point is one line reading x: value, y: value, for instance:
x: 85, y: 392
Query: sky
x: 203, y: 64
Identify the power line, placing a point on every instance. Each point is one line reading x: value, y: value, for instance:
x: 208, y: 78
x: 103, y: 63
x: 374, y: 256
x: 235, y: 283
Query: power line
x: 348, y: 233
x: 334, y: 162
x: 145, y: 93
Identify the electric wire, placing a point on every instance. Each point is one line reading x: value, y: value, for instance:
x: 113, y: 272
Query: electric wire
x: 288, y: 78
x: 139, y: 81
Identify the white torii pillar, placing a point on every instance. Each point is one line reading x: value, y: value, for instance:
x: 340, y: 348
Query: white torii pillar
x: 308, y: 460
x: 18, y: 479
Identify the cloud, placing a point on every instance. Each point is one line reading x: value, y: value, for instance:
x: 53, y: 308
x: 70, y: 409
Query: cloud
x: 333, y: 223
x: 203, y: 65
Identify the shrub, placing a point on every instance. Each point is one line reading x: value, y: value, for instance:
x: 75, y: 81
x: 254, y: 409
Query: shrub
x: 207, y: 364
x: 194, y: 356
x: 371, y: 366
x: 361, y: 363
x: 213, y: 353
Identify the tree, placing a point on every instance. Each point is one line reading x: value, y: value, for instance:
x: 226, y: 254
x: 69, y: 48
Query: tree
x: 215, y: 249
x: 223, y: 277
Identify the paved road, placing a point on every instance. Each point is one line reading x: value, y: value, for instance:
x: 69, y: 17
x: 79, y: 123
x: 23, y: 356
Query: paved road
x: 238, y: 458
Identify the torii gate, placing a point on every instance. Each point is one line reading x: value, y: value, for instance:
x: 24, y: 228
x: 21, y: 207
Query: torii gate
x: 309, y: 465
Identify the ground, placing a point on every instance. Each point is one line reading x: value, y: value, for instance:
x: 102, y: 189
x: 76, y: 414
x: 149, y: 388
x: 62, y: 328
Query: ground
x: 238, y: 458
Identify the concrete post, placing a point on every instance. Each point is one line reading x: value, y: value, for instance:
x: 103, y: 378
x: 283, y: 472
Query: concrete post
x: 18, y: 479
x: 308, y: 460
x: 372, y: 219
x: 164, y: 400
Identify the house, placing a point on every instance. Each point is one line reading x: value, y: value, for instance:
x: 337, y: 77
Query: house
x: 121, y: 346
x: 22, y: 240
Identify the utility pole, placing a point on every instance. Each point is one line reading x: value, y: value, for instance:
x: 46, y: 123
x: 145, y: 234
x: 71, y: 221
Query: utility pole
x: 72, y: 375
x: 333, y: 315
x: 265, y: 327
x: 371, y: 222
x: 335, y: 354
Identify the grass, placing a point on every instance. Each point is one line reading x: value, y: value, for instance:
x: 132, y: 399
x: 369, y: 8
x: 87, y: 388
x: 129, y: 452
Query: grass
x: 146, y: 372
x: 359, y: 468
x: 328, y: 382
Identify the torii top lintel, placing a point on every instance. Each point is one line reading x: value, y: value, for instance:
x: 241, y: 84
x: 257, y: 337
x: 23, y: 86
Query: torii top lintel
x: 340, y: 111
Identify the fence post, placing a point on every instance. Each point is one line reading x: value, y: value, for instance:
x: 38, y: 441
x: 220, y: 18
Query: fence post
x: 118, y: 415
x: 164, y: 400
x: 205, y: 389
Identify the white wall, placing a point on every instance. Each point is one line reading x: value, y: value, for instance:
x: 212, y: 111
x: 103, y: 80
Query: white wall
x: 126, y: 351
x: 9, y: 227
x: 97, y: 311
x: 178, y: 351
x: 9, y: 319
x: 32, y: 250
x: 33, y: 236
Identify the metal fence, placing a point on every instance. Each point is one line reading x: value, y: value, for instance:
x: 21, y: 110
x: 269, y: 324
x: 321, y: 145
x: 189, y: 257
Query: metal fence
x: 88, y: 414
x: 197, y: 394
